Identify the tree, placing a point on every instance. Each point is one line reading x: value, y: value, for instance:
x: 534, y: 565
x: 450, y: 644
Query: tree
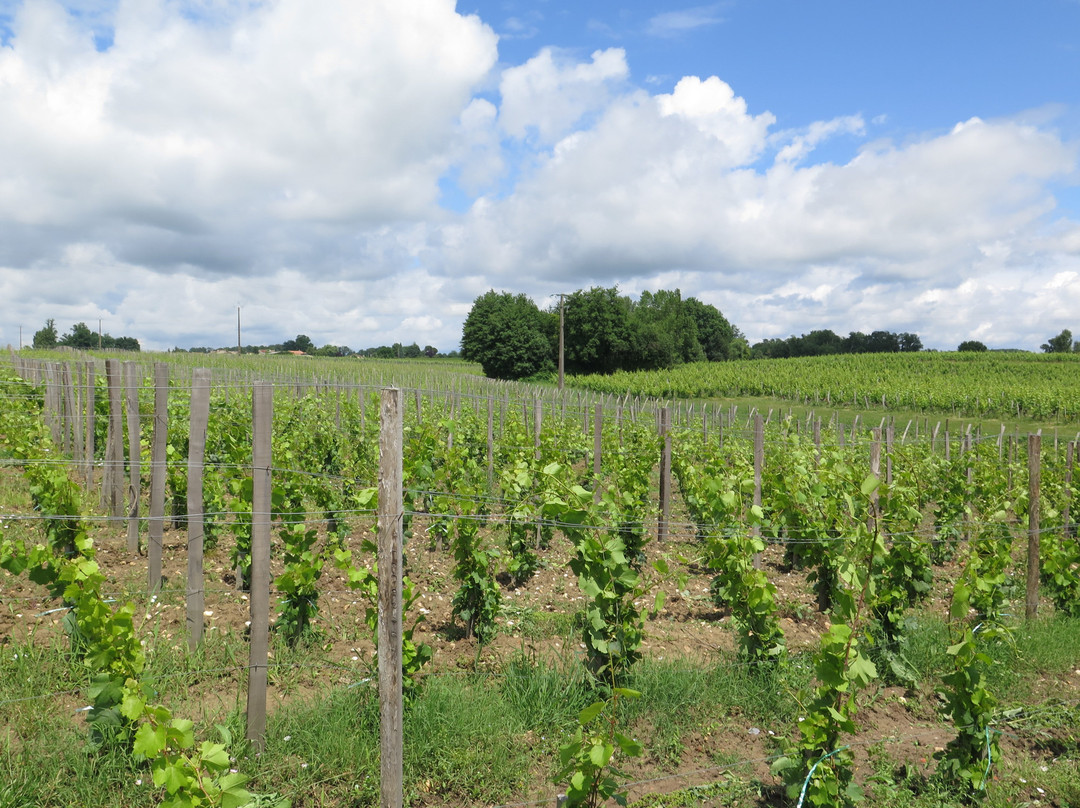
x: 717, y: 337
x: 1062, y: 343
x: 46, y: 337
x: 599, y: 335
x: 80, y: 336
x: 508, y: 335
x: 126, y: 344
x: 430, y: 351
x: 301, y: 343
x: 910, y: 342
x: 664, y: 333
x: 971, y: 345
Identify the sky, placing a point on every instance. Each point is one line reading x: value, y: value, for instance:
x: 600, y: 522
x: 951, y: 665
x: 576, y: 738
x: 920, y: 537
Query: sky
x: 360, y: 171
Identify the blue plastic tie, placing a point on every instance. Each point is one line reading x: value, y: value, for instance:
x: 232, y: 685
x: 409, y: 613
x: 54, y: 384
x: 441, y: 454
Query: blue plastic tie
x: 806, y: 782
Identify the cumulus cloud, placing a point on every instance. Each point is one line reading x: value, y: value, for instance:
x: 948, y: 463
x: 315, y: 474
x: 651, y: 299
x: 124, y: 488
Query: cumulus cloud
x: 293, y: 113
x: 549, y: 94
x: 162, y: 162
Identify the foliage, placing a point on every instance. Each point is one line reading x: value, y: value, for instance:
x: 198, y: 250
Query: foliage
x: 586, y: 762
x: 46, y: 337
x: 969, y: 757
x: 414, y: 656
x: 508, y: 335
x: 1062, y: 343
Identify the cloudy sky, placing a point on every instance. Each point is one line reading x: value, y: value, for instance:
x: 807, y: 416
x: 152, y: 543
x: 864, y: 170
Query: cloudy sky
x: 360, y: 170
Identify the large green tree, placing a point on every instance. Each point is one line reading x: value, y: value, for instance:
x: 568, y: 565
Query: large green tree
x: 46, y: 337
x: 599, y: 332
x: 509, y: 336
x: 719, y: 339
x: 1062, y: 343
x: 80, y: 336
x: 664, y: 332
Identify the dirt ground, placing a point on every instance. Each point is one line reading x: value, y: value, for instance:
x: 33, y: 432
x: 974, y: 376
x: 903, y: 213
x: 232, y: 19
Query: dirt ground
x: 536, y: 618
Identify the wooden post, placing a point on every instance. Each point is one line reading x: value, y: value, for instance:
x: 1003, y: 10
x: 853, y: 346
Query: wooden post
x: 875, y: 469
x: 491, y: 440
x: 389, y: 628
x: 91, y: 425
x: 262, y: 416
x: 131, y: 396
x: 1034, y: 474
x: 538, y: 417
x: 598, y: 426
x: 665, y: 474
x: 112, y: 490
x: 817, y: 441
x: 158, y: 457
x: 72, y: 434
x: 1070, y: 449
x: 890, y: 433
x: 759, y: 465
x: 200, y: 415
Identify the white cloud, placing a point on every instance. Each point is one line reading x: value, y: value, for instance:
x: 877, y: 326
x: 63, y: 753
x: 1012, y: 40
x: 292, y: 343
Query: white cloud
x: 289, y: 157
x: 674, y: 23
x: 550, y: 94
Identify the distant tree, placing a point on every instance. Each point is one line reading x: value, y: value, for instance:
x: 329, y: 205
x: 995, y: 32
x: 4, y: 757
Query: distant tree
x: 301, y: 343
x: 971, y: 345
x: 910, y: 342
x: 1062, y: 343
x: 412, y: 351
x: 598, y: 331
x: 663, y: 332
x: 46, y: 337
x: 508, y: 335
x: 431, y: 351
x: 80, y: 336
x: 715, y: 334
x: 126, y: 344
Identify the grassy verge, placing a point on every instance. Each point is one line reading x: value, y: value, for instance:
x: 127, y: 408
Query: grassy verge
x: 492, y: 738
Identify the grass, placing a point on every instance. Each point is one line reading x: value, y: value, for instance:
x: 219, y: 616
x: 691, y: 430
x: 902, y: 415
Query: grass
x: 492, y: 738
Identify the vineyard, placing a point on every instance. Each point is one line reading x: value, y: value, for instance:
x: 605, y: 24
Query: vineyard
x: 1005, y: 385
x: 604, y: 597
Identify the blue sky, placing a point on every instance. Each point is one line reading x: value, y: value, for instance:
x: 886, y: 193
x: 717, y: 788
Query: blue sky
x: 360, y: 172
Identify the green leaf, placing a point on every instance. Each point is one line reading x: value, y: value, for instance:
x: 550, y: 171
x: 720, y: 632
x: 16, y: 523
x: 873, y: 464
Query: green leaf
x: 149, y: 741
x: 590, y: 712
x: 870, y: 485
x: 132, y: 706
x: 600, y: 754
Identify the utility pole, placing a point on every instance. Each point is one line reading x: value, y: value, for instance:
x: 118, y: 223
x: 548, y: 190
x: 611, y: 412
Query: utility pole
x: 239, y: 348
x: 562, y: 341
x: 99, y: 334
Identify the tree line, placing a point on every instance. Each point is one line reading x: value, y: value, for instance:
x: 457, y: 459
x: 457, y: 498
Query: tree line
x: 80, y: 336
x: 826, y: 342
x: 305, y: 345
x: 603, y: 331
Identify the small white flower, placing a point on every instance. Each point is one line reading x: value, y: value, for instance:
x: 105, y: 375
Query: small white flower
x: 288, y: 737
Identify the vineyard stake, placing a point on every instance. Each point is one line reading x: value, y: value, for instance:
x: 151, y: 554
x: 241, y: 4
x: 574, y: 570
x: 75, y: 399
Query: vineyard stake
x: 158, y: 447
x: 200, y: 415
x: 665, y: 474
x: 390, y: 527
x: 112, y: 489
x: 1034, y: 473
x: 131, y: 394
x: 262, y: 416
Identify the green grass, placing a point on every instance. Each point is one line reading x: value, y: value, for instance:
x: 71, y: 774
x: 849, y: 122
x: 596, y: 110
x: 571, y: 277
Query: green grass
x: 492, y: 738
